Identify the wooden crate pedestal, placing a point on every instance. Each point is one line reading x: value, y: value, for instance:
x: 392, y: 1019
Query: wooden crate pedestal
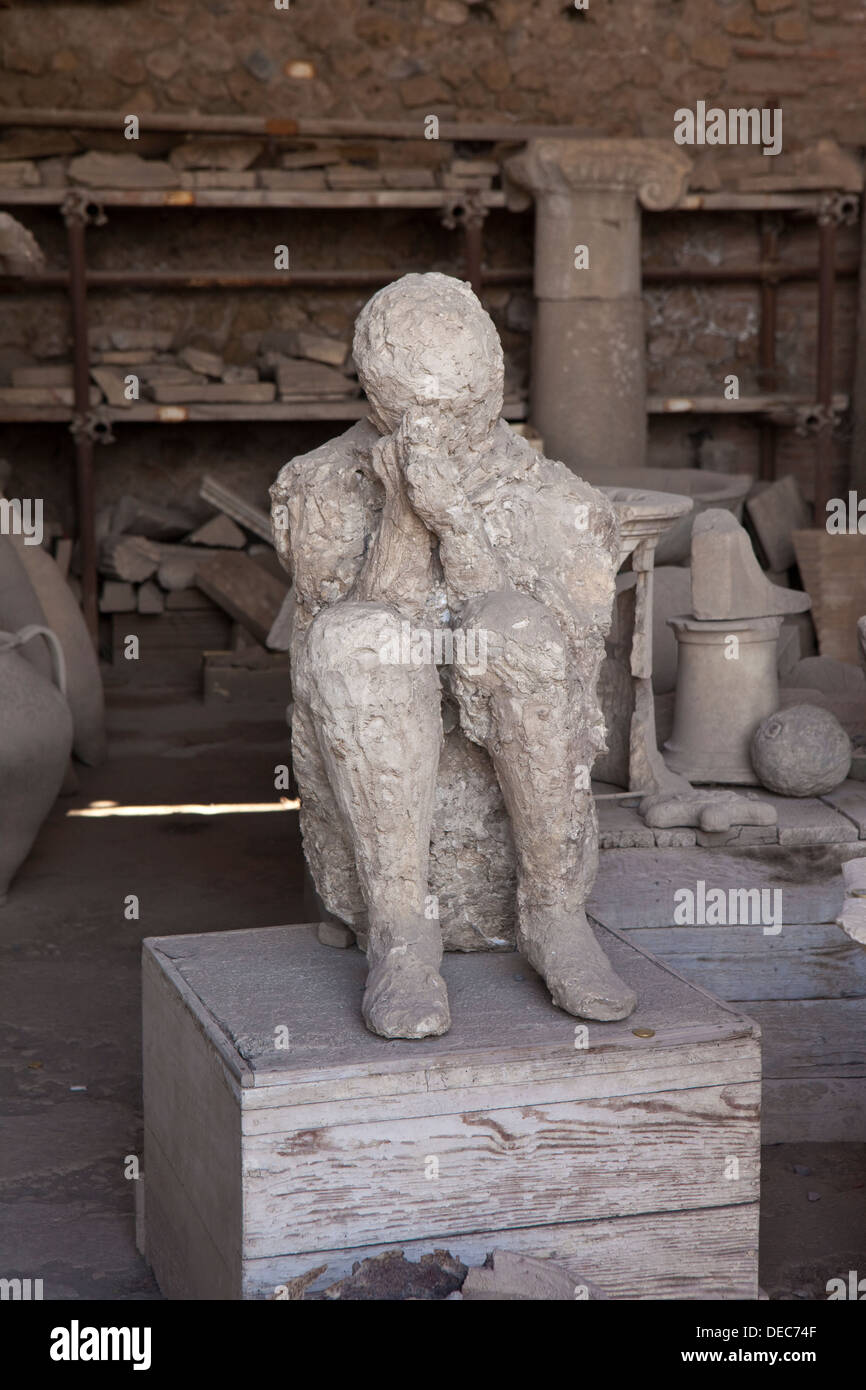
x: 281, y: 1135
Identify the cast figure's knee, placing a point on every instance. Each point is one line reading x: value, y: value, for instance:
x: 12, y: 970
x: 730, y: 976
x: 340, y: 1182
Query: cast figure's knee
x: 352, y: 659
x: 344, y: 643
x: 351, y: 635
x: 508, y: 638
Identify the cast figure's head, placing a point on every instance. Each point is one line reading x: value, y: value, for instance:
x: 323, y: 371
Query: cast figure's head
x: 427, y: 337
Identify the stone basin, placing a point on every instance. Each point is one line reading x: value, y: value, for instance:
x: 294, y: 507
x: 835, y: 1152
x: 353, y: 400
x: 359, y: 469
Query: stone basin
x: 704, y: 487
x: 643, y: 513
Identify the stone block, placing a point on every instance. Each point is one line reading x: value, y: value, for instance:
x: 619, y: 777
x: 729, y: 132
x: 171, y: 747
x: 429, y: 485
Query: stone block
x: 112, y: 385
x: 775, y: 512
x: 117, y: 597
x: 292, y: 178
x: 203, y: 362
x: 59, y: 374
x: 727, y: 581
x: 352, y: 176
x: 318, y: 348
x: 19, y: 173
x: 150, y: 599
x: 237, y: 393
x: 203, y: 153
x: 219, y: 531
x: 98, y: 169
x: 244, y: 590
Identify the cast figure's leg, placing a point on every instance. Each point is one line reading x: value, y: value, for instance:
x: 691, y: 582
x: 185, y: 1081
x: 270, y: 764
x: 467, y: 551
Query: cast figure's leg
x: 379, y: 730
x: 524, y: 704
x: 327, y: 844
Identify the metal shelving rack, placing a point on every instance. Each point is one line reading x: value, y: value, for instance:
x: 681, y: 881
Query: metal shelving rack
x: 465, y: 210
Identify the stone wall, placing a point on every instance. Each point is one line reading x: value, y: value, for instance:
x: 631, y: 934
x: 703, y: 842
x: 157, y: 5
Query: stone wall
x: 613, y: 69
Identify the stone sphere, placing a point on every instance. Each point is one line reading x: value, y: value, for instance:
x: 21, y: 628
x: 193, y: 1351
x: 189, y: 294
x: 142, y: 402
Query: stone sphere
x: 801, y: 751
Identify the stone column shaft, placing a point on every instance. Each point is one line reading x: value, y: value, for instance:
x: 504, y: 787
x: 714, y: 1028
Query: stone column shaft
x: 588, y: 360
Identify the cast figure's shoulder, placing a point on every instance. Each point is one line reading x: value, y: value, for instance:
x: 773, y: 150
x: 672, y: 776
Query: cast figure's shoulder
x: 321, y: 508
x: 571, y: 507
x: 334, y: 460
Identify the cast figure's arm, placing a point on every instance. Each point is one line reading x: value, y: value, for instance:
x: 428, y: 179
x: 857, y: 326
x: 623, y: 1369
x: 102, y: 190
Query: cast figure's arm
x: 429, y: 458
x: 398, y: 568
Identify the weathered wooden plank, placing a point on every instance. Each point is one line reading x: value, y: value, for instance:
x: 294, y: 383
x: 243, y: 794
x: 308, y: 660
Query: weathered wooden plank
x: 812, y: 1039
x: 327, y: 1144
x: 533, y: 1165
x: 635, y: 888
x: 829, y: 1111
x: 254, y: 981
x: 267, y: 1110
x: 801, y: 962
x: 236, y: 507
x: 180, y: 1246
x: 232, y: 682
x: 192, y: 1119
x: 703, y: 1254
x: 246, y: 591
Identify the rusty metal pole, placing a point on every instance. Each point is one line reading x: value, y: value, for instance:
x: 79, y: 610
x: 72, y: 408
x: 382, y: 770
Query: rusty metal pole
x: 473, y: 248
x: 827, y: 223
x: 75, y: 215
x: 467, y: 211
x: 767, y: 344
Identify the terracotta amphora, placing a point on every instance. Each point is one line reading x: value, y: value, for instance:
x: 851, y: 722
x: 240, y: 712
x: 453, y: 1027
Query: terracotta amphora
x: 35, y: 743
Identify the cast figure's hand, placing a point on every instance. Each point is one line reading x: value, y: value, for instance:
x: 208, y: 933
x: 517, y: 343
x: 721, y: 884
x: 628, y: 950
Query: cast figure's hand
x: 385, y: 460
x: 429, y: 453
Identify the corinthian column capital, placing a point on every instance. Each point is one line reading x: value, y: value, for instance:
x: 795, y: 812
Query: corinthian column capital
x: 654, y: 172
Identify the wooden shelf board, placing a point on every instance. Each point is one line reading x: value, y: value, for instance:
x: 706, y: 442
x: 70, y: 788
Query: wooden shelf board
x: 148, y: 413
x: 322, y: 199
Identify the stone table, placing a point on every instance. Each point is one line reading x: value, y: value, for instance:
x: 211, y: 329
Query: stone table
x: 634, y: 760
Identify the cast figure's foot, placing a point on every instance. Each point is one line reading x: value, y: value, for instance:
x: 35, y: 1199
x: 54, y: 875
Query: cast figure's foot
x: 405, y: 998
x: 562, y: 948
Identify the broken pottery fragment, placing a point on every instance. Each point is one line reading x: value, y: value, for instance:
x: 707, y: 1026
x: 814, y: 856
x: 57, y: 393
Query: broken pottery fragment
x: 84, y: 693
x: 35, y: 742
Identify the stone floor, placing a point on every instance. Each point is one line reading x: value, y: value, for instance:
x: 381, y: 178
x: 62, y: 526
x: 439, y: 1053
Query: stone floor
x: 70, y: 1070
x: 838, y: 818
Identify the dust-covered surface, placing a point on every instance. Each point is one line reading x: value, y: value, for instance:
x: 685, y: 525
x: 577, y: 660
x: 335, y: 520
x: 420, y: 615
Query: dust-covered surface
x: 813, y: 1217
x: 70, y: 985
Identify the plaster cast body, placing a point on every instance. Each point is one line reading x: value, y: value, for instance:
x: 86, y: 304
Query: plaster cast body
x: 447, y: 803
